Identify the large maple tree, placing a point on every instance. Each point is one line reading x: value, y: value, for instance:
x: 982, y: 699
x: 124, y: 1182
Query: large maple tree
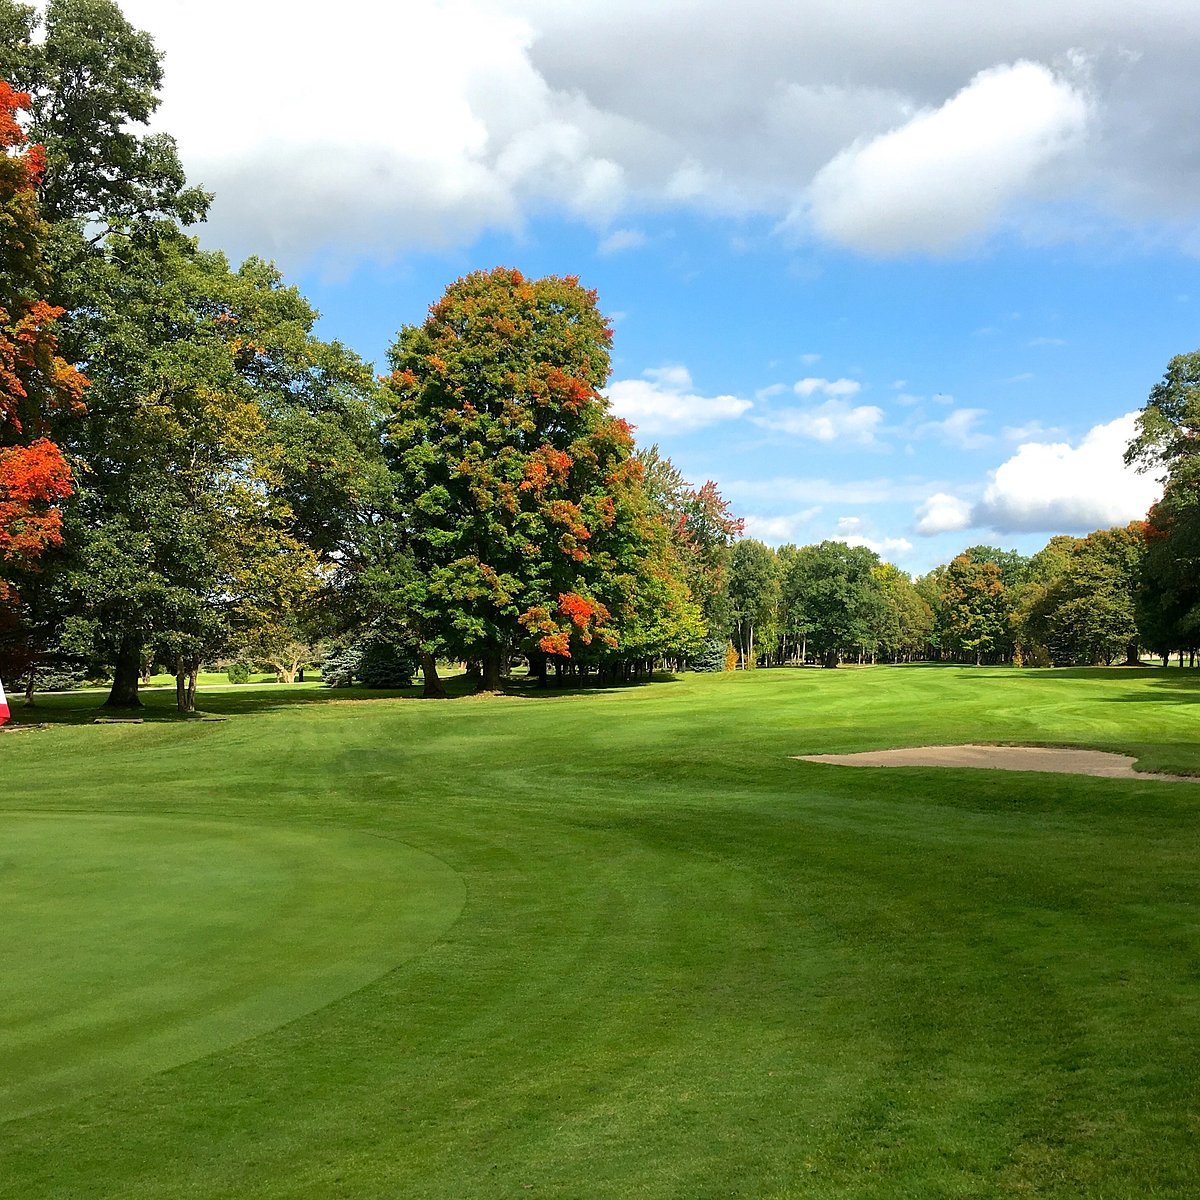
x: 521, y: 498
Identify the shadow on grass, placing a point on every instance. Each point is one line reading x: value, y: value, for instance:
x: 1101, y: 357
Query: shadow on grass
x: 86, y: 707
x: 1184, y: 689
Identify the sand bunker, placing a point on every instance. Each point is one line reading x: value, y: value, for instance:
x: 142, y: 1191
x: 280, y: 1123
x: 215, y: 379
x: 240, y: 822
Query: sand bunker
x: 1001, y: 758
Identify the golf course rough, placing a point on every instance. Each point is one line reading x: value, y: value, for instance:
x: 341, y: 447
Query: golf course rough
x: 685, y: 966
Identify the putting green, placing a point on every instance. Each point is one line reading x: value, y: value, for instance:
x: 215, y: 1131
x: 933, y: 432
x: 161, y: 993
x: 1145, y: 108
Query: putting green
x: 131, y: 944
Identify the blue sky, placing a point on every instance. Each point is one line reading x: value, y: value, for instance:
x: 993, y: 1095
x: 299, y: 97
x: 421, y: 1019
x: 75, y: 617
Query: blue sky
x: 896, y: 278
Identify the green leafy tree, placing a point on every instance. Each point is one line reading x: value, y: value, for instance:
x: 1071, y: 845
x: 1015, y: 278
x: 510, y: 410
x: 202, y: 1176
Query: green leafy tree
x: 975, y: 610
x: 1102, y: 608
x: 906, y: 622
x: 753, y: 595
x: 213, y: 421
x: 1166, y: 441
x: 1168, y: 602
x: 703, y: 532
x: 94, y: 82
x: 837, y: 597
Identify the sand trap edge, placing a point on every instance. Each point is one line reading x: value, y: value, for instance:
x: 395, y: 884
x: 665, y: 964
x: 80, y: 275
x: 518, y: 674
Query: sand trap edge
x: 1047, y: 759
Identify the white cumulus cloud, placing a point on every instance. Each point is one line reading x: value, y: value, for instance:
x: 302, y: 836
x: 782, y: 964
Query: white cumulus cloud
x: 1054, y: 487
x: 778, y: 530
x: 881, y: 546
x: 664, y: 401
x: 949, y: 174
x: 827, y: 387
x: 833, y: 421
x: 408, y: 126
x: 393, y: 126
x: 942, y: 513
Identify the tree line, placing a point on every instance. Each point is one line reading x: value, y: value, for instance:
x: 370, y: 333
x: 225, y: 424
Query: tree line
x: 1077, y: 601
x: 190, y: 475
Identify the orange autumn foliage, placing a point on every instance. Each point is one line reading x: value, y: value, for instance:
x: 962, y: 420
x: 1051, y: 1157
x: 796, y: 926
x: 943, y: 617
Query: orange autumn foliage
x: 576, y: 617
x: 34, y: 379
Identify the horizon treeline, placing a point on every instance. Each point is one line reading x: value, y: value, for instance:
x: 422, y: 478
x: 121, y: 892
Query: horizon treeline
x: 1079, y: 601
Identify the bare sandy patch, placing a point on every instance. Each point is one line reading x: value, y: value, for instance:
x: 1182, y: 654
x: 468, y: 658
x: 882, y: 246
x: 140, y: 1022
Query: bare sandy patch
x: 1056, y: 760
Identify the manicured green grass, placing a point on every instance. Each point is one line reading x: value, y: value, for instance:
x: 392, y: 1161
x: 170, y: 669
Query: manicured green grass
x: 607, y: 944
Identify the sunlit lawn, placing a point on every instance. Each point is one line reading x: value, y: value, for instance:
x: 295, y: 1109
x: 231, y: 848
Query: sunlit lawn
x: 603, y: 944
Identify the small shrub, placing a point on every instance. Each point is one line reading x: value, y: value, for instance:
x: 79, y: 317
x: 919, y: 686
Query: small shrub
x: 238, y: 672
x: 1037, y: 655
x: 731, y: 657
x: 340, y: 666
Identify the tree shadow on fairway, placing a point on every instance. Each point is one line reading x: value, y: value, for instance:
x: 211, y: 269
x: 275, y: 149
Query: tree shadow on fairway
x: 527, y: 688
x: 1183, y: 688
x: 158, y: 705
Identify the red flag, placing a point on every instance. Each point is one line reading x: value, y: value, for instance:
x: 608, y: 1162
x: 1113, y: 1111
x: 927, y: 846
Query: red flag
x: 4, y: 713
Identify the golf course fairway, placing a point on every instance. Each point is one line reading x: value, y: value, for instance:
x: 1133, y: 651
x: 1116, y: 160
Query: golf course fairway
x: 606, y: 943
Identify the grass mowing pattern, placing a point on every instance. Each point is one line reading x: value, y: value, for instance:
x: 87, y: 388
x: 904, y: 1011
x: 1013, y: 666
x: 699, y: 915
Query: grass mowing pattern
x: 689, y: 966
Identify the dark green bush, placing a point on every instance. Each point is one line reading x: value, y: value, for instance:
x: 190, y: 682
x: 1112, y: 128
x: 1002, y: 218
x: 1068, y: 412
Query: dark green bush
x: 385, y: 666
x: 710, y: 656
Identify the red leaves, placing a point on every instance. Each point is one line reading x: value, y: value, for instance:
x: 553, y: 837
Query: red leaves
x: 546, y: 467
x: 11, y: 133
x: 35, y: 164
x: 556, y: 643
x: 32, y: 478
x: 569, y: 391
x: 566, y: 514
x: 584, y: 621
x: 25, y: 170
x: 34, y: 378
x: 579, y: 610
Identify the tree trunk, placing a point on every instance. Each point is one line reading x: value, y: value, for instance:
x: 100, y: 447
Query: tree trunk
x: 127, y: 671
x: 433, y: 688
x: 300, y: 676
x: 830, y: 659
x: 185, y: 687
x: 537, y: 667
x: 29, y: 682
x: 490, y: 680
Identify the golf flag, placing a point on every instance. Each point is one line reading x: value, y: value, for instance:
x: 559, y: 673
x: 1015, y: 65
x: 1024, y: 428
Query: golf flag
x: 4, y: 713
